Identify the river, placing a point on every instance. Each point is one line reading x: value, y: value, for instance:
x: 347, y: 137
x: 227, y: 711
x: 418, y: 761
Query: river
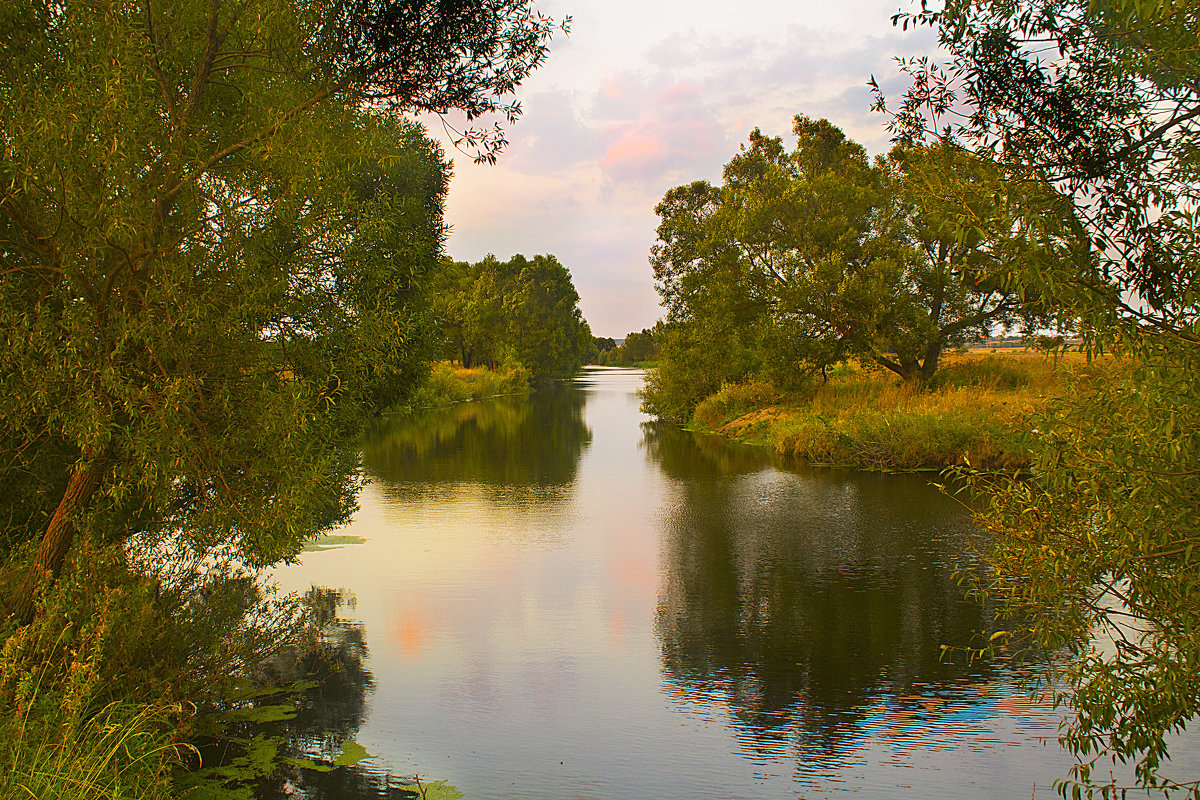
x: 559, y: 598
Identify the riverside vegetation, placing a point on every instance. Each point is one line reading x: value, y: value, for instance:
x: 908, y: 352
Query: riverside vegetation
x: 976, y: 413
x: 1023, y: 190
x: 220, y: 231
x: 220, y: 244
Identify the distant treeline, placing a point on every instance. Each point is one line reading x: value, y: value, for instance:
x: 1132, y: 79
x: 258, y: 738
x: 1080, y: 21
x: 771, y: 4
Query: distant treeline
x: 521, y: 311
x: 639, y: 347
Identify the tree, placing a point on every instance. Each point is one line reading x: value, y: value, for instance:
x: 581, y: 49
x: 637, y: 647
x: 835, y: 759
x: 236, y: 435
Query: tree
x: 822, y: 256
x: 1095, y: 555
x: 213, y: 238
x: 637, y: 347
x: 603, y: 345
x: 950, y: 285
x: 522, y: 310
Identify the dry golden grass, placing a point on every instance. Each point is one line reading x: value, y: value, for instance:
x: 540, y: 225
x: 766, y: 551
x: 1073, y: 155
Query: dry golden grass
x: 976, y: 411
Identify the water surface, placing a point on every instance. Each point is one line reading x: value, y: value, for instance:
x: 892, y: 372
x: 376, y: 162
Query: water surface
x: 558, y: 598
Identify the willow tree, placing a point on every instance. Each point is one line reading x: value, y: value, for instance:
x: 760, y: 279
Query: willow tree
x: 815, y: 255
x: 1096, y: 554
x: 213, y: 237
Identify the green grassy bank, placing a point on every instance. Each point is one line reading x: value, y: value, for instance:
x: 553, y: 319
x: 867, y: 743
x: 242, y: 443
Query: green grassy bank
x: 449, y: 384
x: 976, y: 411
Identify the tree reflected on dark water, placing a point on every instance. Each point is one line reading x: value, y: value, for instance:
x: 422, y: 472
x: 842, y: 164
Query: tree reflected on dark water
x: 684, y: 455
x: 330, y: 661
x: 505, y: 442
x: 799, y: 598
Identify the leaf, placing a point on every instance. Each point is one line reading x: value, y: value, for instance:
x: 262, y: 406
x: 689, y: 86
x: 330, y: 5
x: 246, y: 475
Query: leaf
x: 440, y: 790
x: 352, y: 753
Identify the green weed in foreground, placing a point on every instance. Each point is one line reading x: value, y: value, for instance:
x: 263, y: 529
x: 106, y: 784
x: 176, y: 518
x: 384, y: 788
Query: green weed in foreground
x: 121, y: 752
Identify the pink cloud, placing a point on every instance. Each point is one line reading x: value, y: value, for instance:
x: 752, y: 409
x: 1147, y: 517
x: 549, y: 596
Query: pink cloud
x: 611, y: 84
x: 635, y: 148
x: 678, y: 92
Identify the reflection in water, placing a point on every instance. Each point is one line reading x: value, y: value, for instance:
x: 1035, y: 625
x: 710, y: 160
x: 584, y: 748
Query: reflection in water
x: 647, y: 613
x: 686, y: 456
x: 330, y: 710
x: 507, y: 442
x: 801, y: 600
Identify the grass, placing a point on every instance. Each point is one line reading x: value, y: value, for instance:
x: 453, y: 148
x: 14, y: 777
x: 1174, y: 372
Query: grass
x: 449, y: 384
x: 119, y: 752
x: 974, y: 412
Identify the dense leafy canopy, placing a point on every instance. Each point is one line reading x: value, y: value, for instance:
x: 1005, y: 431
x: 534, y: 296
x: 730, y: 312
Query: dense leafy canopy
x: 520, y: 311
x: 215, y: 237
x: 1096, y: 553
x: 806, y: 258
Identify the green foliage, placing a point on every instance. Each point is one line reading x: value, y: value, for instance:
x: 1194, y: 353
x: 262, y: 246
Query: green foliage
x: 603, y: 345
x: 1114, y: 504
x: 195, y: 340
x: 108, y: 680
x: 639, y: 347
x: 694, y: 362
x: 815, y: 256
x: 522, y: 311
x: 216, y: 238
x: 120, y: 751
x: 1095, y: 554
x: 734, y: 399
x: 448, y: 385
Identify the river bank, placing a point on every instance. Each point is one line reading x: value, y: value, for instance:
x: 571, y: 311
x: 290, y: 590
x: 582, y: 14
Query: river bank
x: 978, y: 411
x: 449, y: 384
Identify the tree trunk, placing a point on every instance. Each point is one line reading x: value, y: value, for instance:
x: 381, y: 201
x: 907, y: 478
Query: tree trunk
x: 932, y: 356
x: 57, y: 539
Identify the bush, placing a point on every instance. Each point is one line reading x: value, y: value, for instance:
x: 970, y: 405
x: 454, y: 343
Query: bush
x: 448, y: 384
x: 735, y: 399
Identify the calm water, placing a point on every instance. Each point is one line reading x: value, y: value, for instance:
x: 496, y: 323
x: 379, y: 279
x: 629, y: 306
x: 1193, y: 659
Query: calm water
x: 557, y: 598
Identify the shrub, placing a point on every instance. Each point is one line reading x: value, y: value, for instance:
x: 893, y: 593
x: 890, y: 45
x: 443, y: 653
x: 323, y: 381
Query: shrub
x: 734, y: 399
x: 448, y: 384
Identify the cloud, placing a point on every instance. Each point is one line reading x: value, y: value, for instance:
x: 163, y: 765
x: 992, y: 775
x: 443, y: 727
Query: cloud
x: 635, y: 150
x: 605, y: 133
x: 655, y: 129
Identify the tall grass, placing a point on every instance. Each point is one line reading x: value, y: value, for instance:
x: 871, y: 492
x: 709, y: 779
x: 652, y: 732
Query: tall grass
x: 449, y: 384
x: 974, y: 412
x: 78, y: 717
x: 121, y: 751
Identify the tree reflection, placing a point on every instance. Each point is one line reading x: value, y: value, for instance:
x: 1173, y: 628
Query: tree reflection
x: 330, y: 661
x: 535, y: 442
x: 798, y: 599
x: 686, y: 455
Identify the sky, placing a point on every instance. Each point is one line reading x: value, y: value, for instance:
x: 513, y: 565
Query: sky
x: 644, y: 95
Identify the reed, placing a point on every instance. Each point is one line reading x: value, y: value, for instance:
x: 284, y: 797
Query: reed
x: 121, y: 751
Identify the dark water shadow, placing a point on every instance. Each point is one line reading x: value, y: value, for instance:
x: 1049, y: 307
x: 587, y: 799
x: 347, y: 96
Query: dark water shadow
x: 801, y: 599
x: 530, y: 443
